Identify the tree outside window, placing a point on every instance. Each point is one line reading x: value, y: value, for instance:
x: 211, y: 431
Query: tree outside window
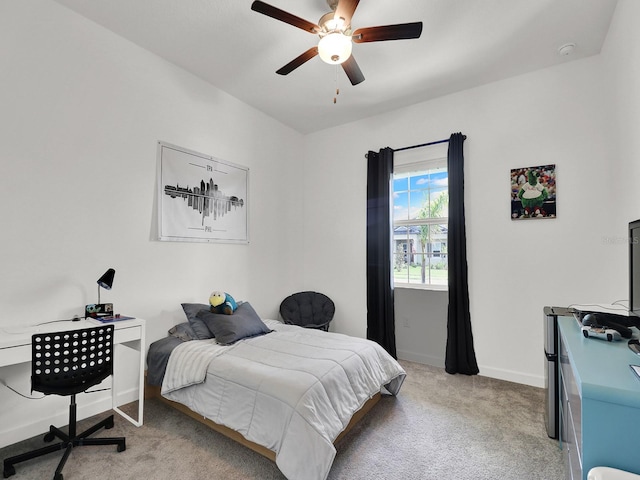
x: 420, y: 202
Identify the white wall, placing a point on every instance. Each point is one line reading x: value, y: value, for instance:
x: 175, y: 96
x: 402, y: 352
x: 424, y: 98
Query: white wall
x: 621, y: 55
x: 421, y: 325
x: 81, y: 112
x: 556, y: 115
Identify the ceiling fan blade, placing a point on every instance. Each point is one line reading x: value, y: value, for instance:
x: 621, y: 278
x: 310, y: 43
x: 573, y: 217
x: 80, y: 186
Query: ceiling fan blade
x: 299, y: 60
x: 353, y: 71
x: 283, y: 16
x: 345, y: 9
x: 402, y: 31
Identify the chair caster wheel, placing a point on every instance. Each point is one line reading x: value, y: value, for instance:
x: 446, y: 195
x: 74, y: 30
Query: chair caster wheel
x: 109, y: 423
x: 58, y: 476
x: 48, y: 437
x: 8, y: 471
x: 122, y: 448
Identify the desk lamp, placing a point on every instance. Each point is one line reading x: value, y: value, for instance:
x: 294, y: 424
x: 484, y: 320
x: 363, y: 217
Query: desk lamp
x: 106, y: 281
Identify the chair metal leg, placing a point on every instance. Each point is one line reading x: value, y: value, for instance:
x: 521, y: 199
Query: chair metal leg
x: 67, y: 444
x: 58, y: 474
x: 56, y: 432
x: 9, y: 468
x: 107, y: 423
x: 119, y: 441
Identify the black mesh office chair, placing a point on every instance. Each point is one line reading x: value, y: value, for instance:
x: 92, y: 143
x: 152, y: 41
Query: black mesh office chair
x: 308, y: 309
x: 67, y: 363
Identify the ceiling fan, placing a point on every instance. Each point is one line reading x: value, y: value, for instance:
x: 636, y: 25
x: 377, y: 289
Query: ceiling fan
x: 336, y: 35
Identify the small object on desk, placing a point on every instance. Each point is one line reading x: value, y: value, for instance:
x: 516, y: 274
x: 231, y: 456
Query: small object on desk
x: 634, y: 345
x: 95, y: 310
x: 115, y: 318
x: 604, y: 333
x: 605, y: 320
x: 636, y: 370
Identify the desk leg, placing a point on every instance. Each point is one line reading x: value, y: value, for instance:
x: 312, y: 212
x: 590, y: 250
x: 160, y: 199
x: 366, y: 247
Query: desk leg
x: 114, y: 405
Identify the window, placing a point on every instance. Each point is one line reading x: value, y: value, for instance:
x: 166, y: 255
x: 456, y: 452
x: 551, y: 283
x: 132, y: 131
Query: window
x: 420, y: 208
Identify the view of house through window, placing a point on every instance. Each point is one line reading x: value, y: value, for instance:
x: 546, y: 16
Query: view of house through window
x: 420, y: 209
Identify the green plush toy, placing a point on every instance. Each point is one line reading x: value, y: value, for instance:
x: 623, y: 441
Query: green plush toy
x: 222, y: 302
x: 532, y: 194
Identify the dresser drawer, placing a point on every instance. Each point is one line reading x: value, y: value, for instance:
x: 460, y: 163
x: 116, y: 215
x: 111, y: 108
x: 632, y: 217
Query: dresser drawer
x: 571, y: 417
x: 575, y: 455
x: 574, y: 404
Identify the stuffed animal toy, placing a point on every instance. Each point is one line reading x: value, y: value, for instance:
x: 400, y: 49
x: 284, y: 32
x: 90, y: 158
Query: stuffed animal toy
x: 222, y: 302
x: 532, y: 194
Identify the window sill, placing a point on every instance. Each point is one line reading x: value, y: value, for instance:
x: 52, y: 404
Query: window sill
x: 419, y: 286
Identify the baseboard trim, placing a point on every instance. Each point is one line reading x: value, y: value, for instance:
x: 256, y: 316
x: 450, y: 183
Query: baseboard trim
x: 512, y: 376
x: 432, y: 360
x: 485, y: 371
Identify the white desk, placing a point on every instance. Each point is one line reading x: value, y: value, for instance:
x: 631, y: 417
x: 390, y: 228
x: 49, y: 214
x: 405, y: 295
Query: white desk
x: 15, y: 348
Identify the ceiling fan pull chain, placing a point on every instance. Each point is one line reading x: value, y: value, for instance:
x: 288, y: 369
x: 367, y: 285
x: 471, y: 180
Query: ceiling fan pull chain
x: 335, y: 99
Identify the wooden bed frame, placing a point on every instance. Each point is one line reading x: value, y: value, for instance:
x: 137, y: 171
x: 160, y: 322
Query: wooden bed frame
x: 152, y: 391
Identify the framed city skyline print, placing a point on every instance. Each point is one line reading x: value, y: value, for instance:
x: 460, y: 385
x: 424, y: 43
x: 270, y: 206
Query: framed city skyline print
x: 201, y: 198
x: 533, y: 192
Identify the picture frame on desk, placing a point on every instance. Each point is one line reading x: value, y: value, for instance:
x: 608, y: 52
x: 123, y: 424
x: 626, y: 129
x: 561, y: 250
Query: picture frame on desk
x: 95, y: 310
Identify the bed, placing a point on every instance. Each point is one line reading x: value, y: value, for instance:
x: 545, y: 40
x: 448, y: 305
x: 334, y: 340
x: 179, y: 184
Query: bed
x: 287, y: 392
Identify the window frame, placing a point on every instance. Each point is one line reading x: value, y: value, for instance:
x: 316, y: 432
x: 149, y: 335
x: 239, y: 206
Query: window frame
x: 414, y: 161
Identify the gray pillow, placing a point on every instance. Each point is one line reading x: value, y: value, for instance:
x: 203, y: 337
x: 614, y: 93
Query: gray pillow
x: 183, y: 331
x: 228, y: 329
x: 191, y: 311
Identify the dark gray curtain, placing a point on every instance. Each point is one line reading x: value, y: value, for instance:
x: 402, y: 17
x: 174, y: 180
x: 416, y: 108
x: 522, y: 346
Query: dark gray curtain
x: 380, y: 312
x: 460, y: 355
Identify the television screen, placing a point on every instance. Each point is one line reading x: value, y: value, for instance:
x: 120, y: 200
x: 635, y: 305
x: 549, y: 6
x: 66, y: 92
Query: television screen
x: 634, y: 268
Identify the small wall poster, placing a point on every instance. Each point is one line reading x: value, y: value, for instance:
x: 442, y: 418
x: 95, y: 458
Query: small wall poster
x: 533, y: 192
x: 201, y: 198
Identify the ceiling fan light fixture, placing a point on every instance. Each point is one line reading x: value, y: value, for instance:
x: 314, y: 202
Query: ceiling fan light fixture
x: 330, y: 23
x: 335, y: 48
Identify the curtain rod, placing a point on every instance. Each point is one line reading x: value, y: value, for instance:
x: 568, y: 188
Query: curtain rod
x: 446, y: 140
x: 421, y: 145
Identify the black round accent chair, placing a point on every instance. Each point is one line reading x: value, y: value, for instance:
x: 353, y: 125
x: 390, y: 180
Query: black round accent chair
x: 308, y: 309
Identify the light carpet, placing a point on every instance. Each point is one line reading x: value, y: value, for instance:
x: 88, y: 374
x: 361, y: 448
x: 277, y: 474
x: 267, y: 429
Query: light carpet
x: 440, y: 427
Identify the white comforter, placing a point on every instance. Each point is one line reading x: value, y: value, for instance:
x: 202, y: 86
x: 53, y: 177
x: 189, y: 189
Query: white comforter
x: 293, y: 390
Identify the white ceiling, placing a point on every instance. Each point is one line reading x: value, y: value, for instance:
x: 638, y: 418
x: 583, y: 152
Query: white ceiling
x: 464, y: 43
